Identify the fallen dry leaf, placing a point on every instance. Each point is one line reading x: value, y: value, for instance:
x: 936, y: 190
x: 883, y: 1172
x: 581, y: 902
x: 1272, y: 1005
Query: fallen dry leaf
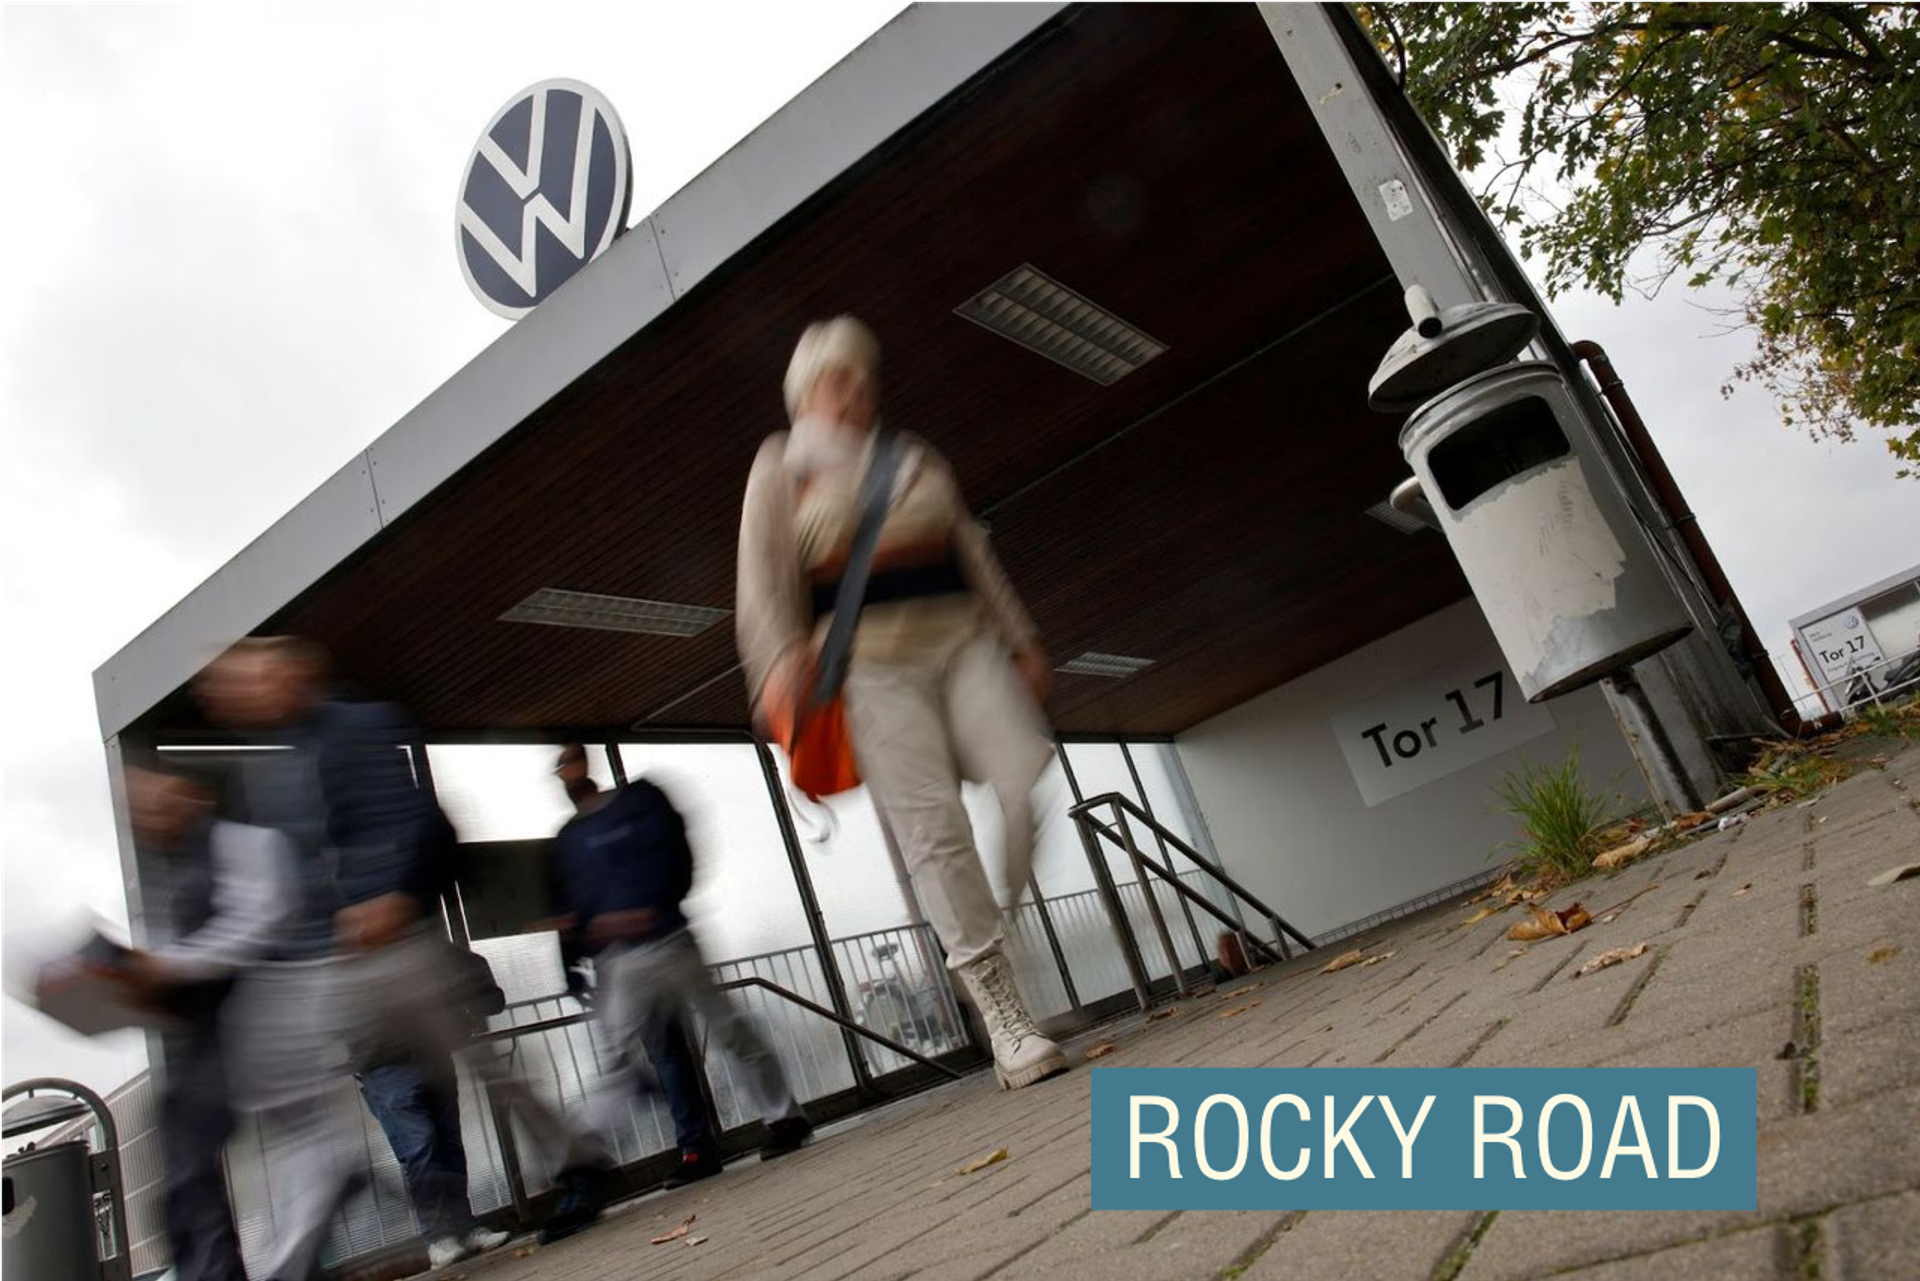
x: 1170, y: 1012
x: 525, y: 1252
x: 698, y: 1240
x: 1880, y: 954
x: 992, y: 1158
x: 1614, y: 957
x: 686, y: 1225
x: 1742, y: 890
x: 1544, y: 924
x: 1481, y: 915
x: 1343, y: 960
x: 1894, y: 874
x: 1877, y: 762
x: 1621, y: 855
x: 1375, y: 960
x: 1240, y: 991
x: 1238, y: 1010
x: 1101, y: 1050
x: 1687, y: 822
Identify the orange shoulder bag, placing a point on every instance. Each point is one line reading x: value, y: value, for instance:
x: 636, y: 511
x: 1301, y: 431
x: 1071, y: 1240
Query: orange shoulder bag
x: 815, y: 731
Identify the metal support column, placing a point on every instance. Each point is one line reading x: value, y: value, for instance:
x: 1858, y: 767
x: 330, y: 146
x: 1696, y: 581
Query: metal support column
x: 1109, y: 895
x: 1146, y: 803
x: 816, y: 919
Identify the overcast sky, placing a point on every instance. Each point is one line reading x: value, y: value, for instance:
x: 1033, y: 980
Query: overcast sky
x: 230, y: 238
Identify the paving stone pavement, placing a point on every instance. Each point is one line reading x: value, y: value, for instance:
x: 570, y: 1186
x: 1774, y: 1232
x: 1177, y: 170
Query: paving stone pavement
x: 1765, y: 940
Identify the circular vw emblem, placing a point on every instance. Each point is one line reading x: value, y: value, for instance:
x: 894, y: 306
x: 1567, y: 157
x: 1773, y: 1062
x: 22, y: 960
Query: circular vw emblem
x: 544, y: 193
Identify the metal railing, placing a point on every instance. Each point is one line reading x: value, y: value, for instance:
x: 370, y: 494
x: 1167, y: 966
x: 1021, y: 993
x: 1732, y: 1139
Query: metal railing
x: 906, y: 1016
x: 1859, y: 688
x: 1120, y: 832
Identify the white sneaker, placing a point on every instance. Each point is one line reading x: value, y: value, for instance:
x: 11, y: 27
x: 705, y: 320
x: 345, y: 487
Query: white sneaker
x: 1021, y: 1056
x: 481, y: 1240
x: 444, y: 1251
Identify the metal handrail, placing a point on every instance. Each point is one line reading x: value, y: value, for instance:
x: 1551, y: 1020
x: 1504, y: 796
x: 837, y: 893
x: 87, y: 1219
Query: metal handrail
x: 1123, y: 807
x: 858, y: 1029
x: 752, y: 980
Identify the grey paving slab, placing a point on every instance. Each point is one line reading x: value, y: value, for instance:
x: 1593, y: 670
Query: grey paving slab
x: 1757, y: 1254
x: 1875, y: 1241
x: 1403, y: 1245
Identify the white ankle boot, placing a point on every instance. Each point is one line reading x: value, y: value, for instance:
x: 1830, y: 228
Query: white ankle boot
x: 1021, y: 1056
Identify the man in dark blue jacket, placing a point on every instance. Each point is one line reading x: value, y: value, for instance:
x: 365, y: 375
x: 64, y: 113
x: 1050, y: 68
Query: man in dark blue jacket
x: 621, y: 869
x: 374, y: 853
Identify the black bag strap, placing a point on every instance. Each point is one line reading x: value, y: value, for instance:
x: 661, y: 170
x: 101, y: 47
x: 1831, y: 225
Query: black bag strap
x: 876, y: 496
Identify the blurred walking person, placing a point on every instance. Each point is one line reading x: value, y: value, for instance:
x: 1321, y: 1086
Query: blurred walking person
x: 667, y: 1044
x: 621, y: 870
x: 416, y: 1100
x: 218, y: 894
x: 366, y: 974
x: 946, y: 672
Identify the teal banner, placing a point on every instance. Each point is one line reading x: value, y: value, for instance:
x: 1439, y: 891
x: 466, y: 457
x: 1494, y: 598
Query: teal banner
x: 1425, y: 1138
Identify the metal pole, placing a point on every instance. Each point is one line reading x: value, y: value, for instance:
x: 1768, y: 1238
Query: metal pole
x: 452, y: 911
x: 1153, y: 901
x: 1053, y: 942
x: 1122, y: 930
x: 1040, y: 899
x: 617, y: 764
x: 816, y: 919
x: 1146, y: 802
x: 509, y: 1157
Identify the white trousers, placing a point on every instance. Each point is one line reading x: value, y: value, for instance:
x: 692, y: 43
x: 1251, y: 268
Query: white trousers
x: 920, y: 729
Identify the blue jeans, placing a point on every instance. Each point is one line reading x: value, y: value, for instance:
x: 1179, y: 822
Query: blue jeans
x: 417, y: 1104
x: 668, y: 1048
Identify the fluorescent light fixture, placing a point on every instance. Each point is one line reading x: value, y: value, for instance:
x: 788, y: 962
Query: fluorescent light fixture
x: 1112, y: 666
x: 1045, y: 316
x: 557, y: 608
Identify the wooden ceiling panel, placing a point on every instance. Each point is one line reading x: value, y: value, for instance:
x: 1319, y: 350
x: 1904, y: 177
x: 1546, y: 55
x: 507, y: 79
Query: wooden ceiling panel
x: 1204, y: 511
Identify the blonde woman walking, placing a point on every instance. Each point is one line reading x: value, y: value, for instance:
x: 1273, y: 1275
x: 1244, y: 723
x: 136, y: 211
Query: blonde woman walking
x: 946, y: 674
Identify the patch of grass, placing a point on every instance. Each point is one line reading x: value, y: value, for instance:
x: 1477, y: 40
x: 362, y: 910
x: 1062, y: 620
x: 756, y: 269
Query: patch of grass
x: 1561, y: 818
x: 1788, y: 771
x: 1889, y: 720
x: 1456, y: 1261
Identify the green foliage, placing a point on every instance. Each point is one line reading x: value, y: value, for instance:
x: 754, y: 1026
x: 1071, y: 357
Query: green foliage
x: 1788, y: 771
x: 1889, y: 720
x: 1774, y: 148
x: 1561, y: 818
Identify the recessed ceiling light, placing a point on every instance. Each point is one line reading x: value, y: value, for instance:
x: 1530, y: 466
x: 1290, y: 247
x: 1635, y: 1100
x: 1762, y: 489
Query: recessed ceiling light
x: 1045, y: 316
x: 558, y: 608
x: 1113, y: 666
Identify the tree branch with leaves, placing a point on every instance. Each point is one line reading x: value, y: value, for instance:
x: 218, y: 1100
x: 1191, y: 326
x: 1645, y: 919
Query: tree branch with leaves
x: 1772, y: 149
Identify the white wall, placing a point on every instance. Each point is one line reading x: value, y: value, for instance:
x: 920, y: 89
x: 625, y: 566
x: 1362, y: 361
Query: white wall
x: 1282, y: 801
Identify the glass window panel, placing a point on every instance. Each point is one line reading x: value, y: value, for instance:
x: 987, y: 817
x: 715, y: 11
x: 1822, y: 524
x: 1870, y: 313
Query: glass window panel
x: 745, y: 909
x: 505, y: 791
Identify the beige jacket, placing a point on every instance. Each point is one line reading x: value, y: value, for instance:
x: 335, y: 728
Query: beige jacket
x: 773, y: 611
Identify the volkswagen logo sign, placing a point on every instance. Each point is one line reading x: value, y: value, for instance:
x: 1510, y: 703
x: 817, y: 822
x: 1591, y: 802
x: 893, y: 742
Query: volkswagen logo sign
x: 544, y: 193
